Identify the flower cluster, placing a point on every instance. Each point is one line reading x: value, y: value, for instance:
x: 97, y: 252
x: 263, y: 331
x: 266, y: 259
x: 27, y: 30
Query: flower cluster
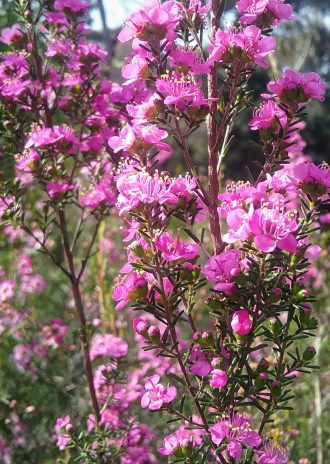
x: 215, y: 277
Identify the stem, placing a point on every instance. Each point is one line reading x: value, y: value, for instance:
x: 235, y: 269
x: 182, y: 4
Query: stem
x: 212, y: 139
x: 76, y: 291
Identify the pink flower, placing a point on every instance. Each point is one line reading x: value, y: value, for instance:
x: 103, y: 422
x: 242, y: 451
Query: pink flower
x: 11, y: 35
x: 267, y: 116
x: 28, y: 162
x: 55, y: 189
x: 235, y: 431
x: 241, y: 322
x: 75, y: 6
x: 180, y: 441
x: 32, y: 283
x: 63, y: 428
x: 7, y: 290
x: 183, y: 188
x: 156, y: 394
x: 298, y: 87
x: 24, y: 265
x: 173, y: 249
x: 132, y: 287
x: 181, y: 91
x: 219, y: 378
x: 139, y: 137
x: 139, y: 189
x: 222, y: 269
x: 313, y: 252
x: 273, y: 227
x: 108, y: 345
x: 186, y: 61
x: 140, y: 325
x: 271, y: 454
x: 248, y: 43
x: 312, y: 178
x: 201, y: 365
x: 101, y: 193
x: 155, y: 21
x: 54, y: 333
x: 267, y: 12
x: 61, y: 137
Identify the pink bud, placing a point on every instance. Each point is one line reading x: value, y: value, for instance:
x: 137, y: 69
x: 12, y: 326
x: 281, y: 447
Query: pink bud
x: 140, y: 325
x: 312, y: 252
x: 241, y: 322
x: 154, y: 333
x: 219, y: 378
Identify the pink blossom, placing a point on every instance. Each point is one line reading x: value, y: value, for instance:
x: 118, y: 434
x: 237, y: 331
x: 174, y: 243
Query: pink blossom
x: 222, y: 269
x: 139, y: 137
x: 313, y: 252
x: 28, y: 162
x: 241, y: 322
x: 235, y: 431
x: 54, y: 332
x: 239, y: 194
x: 62, y: 137
x: 156, y: 394
x: 132, y: 287
x: 155, y: 21
x: 139, y: 189
x: 22, y: 355
x: 7, y: 290
x: 75, y: 6
x: 11, y: 35
x: 63, y: 428
x: 181, y: 91
x: 219, y: 378
x: 101, y: 193
x: 267, y: 116
x: 32, y: 284
x: 267, y: 12
x: 201, y: 365
x: 248, y: 43
x: 312, y: 178
x: 56, y: 189
x: 186, y: 61
x: 271, y: 454
x: 24, y: 265
x: 298, y: 87
x: 273, y: 227
x: 173, y: 249
x: 108, y: 345
x: 181, y: 440
x: 140, y: 325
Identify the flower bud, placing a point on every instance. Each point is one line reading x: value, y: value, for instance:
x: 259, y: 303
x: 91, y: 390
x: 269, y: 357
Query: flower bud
x: 154, y: 334
x: 241, y: 323
x: 302, y: 294
x: 141, y: 326
x: 275, y: 295
x: 309, y: 353
x: 216, y: 362
x: 276, y: 387
x: 275, y: 326
x: 263, y: 365
x: 219, y: 378
x: 206, y: 339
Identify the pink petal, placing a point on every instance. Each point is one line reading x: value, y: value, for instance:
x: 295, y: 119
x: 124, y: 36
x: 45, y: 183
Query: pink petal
x: 265, y: 243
